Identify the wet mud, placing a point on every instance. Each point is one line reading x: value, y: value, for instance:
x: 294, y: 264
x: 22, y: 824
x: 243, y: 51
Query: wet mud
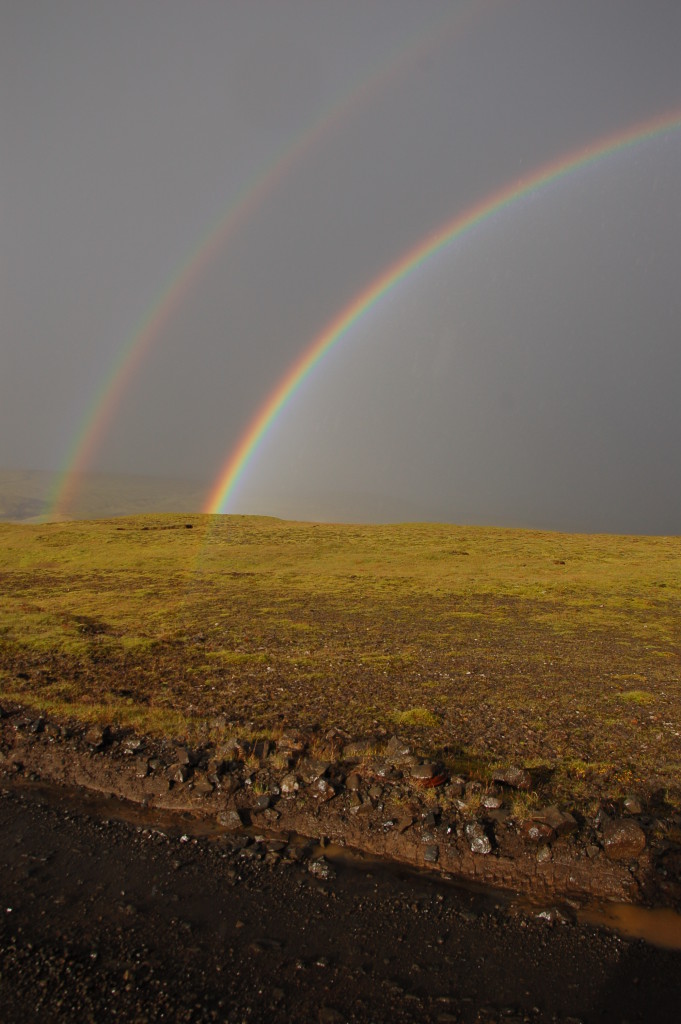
x: 105, y: 919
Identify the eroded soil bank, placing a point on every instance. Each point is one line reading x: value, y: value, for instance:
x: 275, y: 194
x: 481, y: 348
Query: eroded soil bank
x: 375, y: 795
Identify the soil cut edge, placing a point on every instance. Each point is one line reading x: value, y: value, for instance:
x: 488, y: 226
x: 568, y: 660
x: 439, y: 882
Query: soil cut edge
x: 377, y: 797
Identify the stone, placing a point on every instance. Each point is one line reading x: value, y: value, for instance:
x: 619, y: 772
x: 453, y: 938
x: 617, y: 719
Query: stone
x: 322, y: 790
x: 37, y: 725
x: 537, y: 832
x: 397, y: 750
x: 133, y: 744
x: 478, y: 840
x: 216, y: 766
x: 179, y: 772
x: 562, y: 822
x: 96, y: 736
x: 431, y: 854
x: 516, y: 778
x: 291, y: 743
x: 375, y: 792
x: 230, y: 819
x: 632, y: 805
x: 141, y: 767
x: 424, y: 771
x: 290, y: 784
x: 202, y: 786
x: 321, y: 868
x: 544, y: 854
x: 622, y: 839
x: 182, y: 756
x: 491, y: 802
x: 262, y: 802
x: 311, y: 770
x: 353, y: 781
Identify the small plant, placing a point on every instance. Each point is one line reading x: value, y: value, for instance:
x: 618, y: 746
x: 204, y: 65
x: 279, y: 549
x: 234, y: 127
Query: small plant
x: 639, y: 697
x: 523, y: 804
x: 416, y: 716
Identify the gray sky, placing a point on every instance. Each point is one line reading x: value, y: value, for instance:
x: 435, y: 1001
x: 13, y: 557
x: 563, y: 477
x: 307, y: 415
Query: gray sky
x: 529, y: 374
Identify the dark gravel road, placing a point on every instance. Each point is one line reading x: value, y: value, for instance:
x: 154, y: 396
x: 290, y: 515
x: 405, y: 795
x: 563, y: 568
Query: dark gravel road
x: 102, y: 919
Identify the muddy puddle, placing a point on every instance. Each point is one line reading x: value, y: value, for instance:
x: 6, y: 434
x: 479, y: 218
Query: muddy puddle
x: 659, y: 927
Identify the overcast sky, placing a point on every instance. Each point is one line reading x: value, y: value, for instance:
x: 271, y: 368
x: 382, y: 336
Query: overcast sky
x: 529, y: 374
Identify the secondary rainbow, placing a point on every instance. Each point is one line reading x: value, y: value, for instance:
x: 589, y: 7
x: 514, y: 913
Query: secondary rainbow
x: 462, y: 223
x: 132, y: 353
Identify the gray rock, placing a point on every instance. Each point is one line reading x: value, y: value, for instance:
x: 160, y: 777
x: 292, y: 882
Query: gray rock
x: 311, y: 770
x: 478, y: 840
x: 322, y: 790
x: 290, y: 784
x: 397, y: 750
x: 431, y: 854
x: 544, y: 854
x: 133, y: 744
x: 516, y: 778
x: 622, y: 839
x: 321, y: 868
x: 179, y: 772
x: 262, y: 802
x: 424, y: 771
x: 230, y: 819
x: 632, y: 805
x: 491, y: 802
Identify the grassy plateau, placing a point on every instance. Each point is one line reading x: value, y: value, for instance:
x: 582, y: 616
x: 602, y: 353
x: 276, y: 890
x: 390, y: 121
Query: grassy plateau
x: 488, y: 647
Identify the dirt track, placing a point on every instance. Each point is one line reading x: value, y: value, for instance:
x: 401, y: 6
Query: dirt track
x: 103, y: 920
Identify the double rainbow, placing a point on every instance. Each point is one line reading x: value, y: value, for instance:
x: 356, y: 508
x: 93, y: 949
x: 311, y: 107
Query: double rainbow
x: 132, y: 353
x: 433, y: 243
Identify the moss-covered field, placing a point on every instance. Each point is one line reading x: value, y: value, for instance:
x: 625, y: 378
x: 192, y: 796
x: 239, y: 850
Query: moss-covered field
x: 491, y: 646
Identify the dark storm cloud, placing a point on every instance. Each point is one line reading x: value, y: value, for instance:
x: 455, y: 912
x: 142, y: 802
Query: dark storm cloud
x: 529, y: 375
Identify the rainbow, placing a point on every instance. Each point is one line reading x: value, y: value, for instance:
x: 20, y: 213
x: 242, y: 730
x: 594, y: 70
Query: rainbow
x: 433, y: 243
x: 132, y: 353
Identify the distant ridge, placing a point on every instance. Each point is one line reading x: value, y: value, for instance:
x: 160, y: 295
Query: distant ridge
x: 24, y: 496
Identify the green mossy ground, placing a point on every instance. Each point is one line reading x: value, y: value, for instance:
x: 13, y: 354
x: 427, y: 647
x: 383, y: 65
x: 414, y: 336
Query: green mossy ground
x: 493, y: 646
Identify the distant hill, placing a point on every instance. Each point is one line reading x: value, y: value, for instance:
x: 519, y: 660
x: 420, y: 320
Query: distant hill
x: 25, y: 496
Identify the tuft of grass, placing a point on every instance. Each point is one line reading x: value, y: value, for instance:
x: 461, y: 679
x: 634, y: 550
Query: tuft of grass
x: 640, y: 697
x: 421, y: 717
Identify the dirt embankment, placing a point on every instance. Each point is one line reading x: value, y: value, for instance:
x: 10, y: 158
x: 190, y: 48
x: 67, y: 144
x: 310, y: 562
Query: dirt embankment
x: 375, y: 795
